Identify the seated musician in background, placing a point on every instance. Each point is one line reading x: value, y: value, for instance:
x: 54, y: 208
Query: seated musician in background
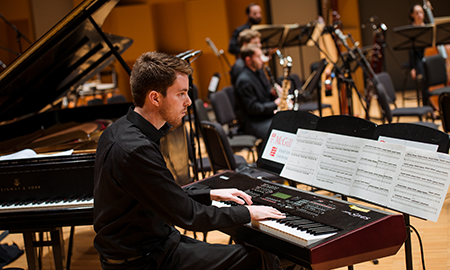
x: 254, y: 15
x: 247, y: 36
x: 138, y: 203
x: 258, y: 100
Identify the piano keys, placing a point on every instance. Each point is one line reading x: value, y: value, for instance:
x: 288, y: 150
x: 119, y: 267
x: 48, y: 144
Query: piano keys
x: 293, y: 228
x: 319, y: 232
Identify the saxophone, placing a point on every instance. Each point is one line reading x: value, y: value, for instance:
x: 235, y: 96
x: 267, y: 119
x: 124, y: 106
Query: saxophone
x: 286, y: 85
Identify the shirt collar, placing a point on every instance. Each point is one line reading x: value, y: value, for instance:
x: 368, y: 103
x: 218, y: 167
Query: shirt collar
x: 146, y: 127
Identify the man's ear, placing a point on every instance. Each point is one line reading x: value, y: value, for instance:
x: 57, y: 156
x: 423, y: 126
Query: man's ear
x: 154, y: 97
x: 248, y: 60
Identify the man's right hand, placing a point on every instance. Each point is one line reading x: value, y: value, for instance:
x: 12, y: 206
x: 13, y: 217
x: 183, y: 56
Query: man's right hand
x: 260, y: 212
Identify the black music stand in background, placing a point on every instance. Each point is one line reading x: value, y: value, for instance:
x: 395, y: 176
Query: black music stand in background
x: 298, y: 36
x: 442, y: 33
x: 271, y: 35
x: 411, y: 37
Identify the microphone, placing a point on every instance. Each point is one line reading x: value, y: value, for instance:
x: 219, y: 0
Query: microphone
x: 180, y: 55
x: 280, y: 57
x: 192, y: 54
x: 341, y: 36
x: 213, y: 47
x: 2, y: 64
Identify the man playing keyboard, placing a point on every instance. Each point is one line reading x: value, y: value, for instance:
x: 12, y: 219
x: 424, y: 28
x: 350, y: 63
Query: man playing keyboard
x: 136, y: 200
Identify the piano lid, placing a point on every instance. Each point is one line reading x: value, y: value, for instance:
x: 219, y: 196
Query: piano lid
x: 65, y: 57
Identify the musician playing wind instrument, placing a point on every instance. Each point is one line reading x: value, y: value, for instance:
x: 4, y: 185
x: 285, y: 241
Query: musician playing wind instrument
x: 256, y: 99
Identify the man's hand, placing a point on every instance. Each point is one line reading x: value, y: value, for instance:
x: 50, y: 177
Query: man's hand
x: 230, y: 194
x: 277, y: 101
x: 276, y: 91
x: 260, y: 212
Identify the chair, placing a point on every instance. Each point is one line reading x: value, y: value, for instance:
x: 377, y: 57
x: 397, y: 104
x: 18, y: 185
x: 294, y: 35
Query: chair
x: 444, y: 110
x: 225, y: 116
x: 220, y: 154
x: 229, y: 90
x: 224, y: 110
x: 383, y: 101
x: 435, y: 74
x: 116, y: 99
x: 419, y: 112
x: 95, y: 101
x: 202, y: 113
x: 204, y: 166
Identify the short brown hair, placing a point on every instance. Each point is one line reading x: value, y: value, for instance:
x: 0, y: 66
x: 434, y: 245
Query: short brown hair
x: 247, y: 35
x: 249, y: 50
x: 155, y: 71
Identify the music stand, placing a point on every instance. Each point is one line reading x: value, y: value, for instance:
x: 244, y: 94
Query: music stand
x: 443, y: 33
x: 413, y: 38
x: 271, y: 35
x: 298, y: 36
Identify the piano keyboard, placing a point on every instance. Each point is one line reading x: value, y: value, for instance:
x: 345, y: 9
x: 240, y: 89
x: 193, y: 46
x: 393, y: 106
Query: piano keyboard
x: 292, y: 228
x: 47, y: 204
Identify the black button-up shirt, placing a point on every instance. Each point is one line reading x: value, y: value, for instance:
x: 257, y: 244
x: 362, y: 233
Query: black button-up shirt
x: 136, y: 198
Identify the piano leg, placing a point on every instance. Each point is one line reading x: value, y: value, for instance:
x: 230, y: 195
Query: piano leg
x: 31, y: 245
x: 57, y: 240
x: 29, y: 238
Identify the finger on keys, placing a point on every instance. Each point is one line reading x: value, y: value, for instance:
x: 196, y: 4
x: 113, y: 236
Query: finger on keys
x: 247, y: 198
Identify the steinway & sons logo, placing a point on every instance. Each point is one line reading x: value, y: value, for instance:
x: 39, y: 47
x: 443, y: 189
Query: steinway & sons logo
x: 17, y: 187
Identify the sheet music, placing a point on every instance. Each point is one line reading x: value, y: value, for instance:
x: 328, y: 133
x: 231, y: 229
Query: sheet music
x: 29, y: 153
x: 302, y: 163
x: 337, y: 164
x: 422, y: 184
x: 424, y: 146
x: 411, y: 180
x: 377, y: 169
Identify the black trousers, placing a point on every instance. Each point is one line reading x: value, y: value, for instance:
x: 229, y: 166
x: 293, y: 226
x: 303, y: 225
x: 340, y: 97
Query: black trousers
x: 194, y: 254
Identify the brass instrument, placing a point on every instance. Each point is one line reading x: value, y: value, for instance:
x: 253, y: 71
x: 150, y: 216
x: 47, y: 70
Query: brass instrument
x: 286, y: 85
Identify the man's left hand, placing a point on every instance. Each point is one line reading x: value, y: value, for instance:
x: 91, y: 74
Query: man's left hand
x: 231, y: 194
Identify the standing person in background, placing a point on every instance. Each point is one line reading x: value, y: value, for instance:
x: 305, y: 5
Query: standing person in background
x: 254, y: 16
x: 416, y: 18
x: 137, y: 202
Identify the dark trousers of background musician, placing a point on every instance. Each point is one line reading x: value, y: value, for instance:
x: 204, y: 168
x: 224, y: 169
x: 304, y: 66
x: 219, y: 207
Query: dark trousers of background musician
x: 194, y: 254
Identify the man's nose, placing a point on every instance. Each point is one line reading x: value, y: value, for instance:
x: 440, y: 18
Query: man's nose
x: 189, y: 101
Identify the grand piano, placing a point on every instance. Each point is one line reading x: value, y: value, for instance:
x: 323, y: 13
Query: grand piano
x: 44, y: 194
